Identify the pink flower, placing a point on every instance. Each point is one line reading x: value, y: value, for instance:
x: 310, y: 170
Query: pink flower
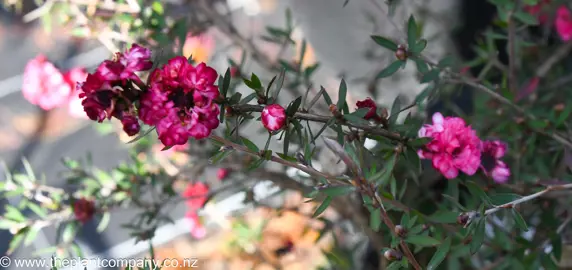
x: 72, y: 78
x: 198, y: 231
x: 222, y: 173
x: 137, y: 59
x: 180, y: 102
x: 372, y: 113
x: 44, y: 85
x: 273, y: 117
x: 455, y: 146
x: 173, y: 130
x: 564, y: 23
x: 196, y: 195
x: 491, y: 165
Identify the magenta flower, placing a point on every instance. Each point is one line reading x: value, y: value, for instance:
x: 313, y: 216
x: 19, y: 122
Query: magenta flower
x: 44, y: 85
x: 273, y: 117
x: 180, y: 101
x: 136, y: 59
x: 491, y: 164
x: 372, y: 113
x: 84, y: 210
x: 563, y: 23
x: 538, y: 10
x: 455, y: 146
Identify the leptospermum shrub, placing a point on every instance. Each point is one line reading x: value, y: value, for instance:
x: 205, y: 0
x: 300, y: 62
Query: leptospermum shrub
x: 488, y: 190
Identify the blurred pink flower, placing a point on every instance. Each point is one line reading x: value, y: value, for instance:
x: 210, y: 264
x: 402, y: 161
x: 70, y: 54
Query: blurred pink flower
x: 44, y: 85
x: 198, y: 231
x: 538, y: 10
x: 72, y: 77
x: 196, y: 195
x: 564, y: 23
x: 222, y: 173
x: 455, y: 146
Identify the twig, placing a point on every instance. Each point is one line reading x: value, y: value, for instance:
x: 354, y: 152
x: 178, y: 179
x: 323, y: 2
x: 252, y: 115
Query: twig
x: 560, y: 53
x: 512, y: 204
x: 325, y: 119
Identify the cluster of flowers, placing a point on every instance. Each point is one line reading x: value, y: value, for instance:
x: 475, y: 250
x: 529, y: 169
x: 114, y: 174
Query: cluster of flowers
x: 456, y: 147
x: 177, y: 99
x: 562, y: 21
x: 46, y: 86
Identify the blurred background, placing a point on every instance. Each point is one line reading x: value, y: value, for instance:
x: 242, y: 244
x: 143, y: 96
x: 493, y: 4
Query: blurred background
x: 338, y: 37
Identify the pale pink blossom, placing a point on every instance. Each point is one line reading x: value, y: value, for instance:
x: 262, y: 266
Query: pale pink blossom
x: 44, y: 85
x: 198, y: 231
x: 72, y: 77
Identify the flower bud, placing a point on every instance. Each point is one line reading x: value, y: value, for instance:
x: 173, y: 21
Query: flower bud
x: 130, y: 125
x: 462, y: 219
x: 392, y: 255
x: 222, y: 173
x: 273, y: 117
x: 559, y: 107
x: 401, y: 53
x: 400, y: 231
x: 234, y: 72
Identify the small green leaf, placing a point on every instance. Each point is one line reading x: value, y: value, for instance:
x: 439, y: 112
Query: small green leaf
x: 105, y: 218
x: 285, y: 157
x: 430, y: 76
x: 526, y: 18
x: 326, y: 96
x: 421, y: 66
x: 141, y: 135
x: 442, y: 216
x: 294, y: 106
x: 520, y: 223
x: 225, y: 83
x: 70, y: 230
x: 411, y: 32
x: 478, y: 192
x: 502, y: 198
x: 384, y: 42
x: 395, y: 109
x: 419, y: 46
x: 255, y: 164
x: 234, y: 99
x: 218, y: 157
x: 250, y: 145
x: 440, y: 254
x: 478, y: 236
x: 375, y: 220
x: 342, y: 94
x: 389, y: 70
x: 279, y: 84
x: 422, y: 240
x: 355, y: 119
x: 338, y: 190
x: 322, y: 207
x: 41, y: 212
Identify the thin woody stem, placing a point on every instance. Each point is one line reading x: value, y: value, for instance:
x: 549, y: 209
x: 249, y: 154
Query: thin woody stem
x: 527, y: 198
x: 374, y: 130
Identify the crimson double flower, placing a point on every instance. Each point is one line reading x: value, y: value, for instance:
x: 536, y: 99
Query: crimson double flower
x: 177, y: 98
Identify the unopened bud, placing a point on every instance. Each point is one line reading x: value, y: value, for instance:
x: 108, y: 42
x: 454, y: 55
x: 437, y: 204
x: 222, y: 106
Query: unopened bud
x: 335, y: 111
x: 559, y: 107
x: 384, y: 113
x: 400, y: 231
x: 392, y: 255
x: 401, y: 53
x: 262, y: 100
x: 462, y: 219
